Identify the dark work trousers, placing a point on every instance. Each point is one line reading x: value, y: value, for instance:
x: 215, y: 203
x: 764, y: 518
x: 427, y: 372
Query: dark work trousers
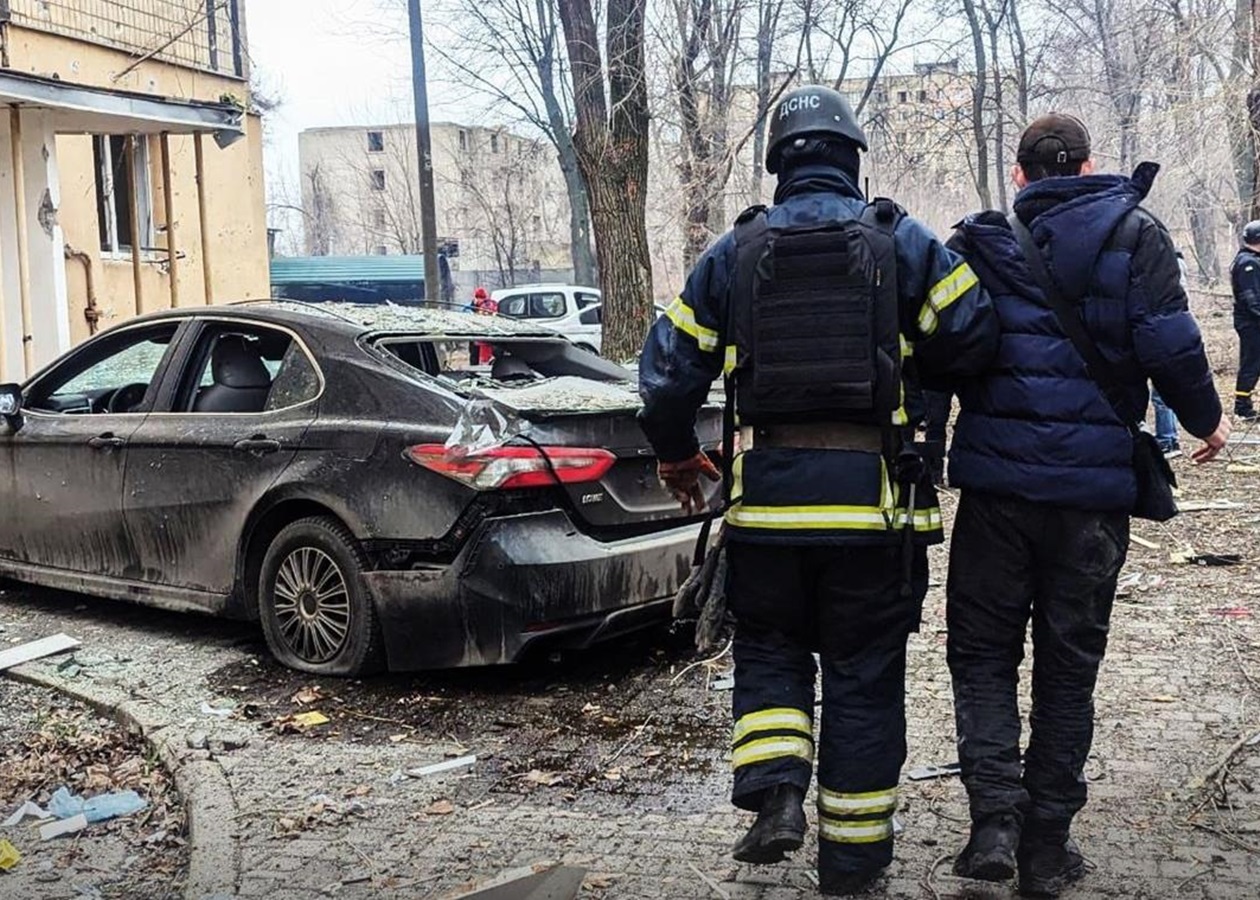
x: 1011, y: 559
x: 845, y: 603
x: 1248, y: 357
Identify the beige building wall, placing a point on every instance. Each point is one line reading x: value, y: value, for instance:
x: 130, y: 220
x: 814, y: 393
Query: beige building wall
x: 108, y: 46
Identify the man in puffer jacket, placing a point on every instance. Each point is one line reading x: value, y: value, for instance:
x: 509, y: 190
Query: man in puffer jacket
x: 1044, y: 464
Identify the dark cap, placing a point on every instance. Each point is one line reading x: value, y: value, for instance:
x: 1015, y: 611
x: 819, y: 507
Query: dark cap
x: 1053, y: 139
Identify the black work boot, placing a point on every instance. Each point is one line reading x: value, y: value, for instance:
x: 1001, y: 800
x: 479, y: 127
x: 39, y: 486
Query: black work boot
x: 990, y: 853
x: 1244, y: 410
x: 847, y: 884
x: 779, y: 829
x: 1048, y: 863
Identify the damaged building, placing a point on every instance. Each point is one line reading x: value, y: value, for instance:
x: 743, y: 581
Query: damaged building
x: 130, y: 167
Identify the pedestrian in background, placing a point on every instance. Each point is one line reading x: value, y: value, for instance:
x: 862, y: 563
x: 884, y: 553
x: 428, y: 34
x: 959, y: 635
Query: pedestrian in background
x: 816, y: 309
x: 1244, y: 276
x: 1044, y: 458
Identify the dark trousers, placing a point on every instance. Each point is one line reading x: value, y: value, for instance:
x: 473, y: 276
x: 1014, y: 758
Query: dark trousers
x: 1011, y: 560
x: 1248, y: 358
x: 845, y: 603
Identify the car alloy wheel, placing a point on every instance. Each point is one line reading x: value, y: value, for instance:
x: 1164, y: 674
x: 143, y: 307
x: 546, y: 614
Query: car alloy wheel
x: 312, y: 605
x: 314, y: 610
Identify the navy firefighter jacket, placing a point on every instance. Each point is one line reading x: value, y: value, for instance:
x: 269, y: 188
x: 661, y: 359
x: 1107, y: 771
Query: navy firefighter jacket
x: 1036, y: 426
x: 790, y: 495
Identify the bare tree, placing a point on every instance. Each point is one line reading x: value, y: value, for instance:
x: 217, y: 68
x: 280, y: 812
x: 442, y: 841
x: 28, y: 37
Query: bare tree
x: 611, y: 140
x: 704, y: 71
x: 979, y: 91
x: 510, y: 52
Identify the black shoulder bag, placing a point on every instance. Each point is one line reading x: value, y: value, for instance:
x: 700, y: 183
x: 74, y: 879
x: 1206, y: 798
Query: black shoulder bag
x: 1155, y: 478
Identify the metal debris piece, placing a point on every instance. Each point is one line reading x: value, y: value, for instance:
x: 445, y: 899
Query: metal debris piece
x: 438, y: 768
x: 56, y: 829
x: 23, y: 653
x: 723, y: 684
x: 926, y: 773
x: 543, y: 881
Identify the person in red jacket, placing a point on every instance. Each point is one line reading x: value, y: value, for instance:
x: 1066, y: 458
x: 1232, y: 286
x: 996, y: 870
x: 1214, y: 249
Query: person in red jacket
x: 480, y: 353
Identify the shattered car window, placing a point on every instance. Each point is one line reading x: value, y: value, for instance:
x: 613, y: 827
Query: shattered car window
x: 296, y: 380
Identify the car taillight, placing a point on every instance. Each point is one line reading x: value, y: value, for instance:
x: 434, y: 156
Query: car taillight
x: 514, y: 467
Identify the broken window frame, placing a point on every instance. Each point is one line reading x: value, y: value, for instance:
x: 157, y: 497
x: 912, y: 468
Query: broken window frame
x: 376, y: 141
x: 114, y: 243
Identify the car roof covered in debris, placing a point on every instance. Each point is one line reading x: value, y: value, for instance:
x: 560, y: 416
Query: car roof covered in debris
x: 370, y: 318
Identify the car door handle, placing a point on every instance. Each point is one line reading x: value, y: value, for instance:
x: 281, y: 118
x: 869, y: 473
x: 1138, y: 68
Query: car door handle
x: 106, y: 441
x: 257, y: 445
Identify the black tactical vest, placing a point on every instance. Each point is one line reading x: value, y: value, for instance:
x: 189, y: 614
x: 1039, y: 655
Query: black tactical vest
x: 814, y: 316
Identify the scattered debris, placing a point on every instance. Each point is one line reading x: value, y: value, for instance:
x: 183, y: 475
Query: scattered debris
x: 1190, y: 557
x: 308, y: 695
x: 9, y: 856
x: 546, y: 779
x: 713, y: 885
x: 1243, y: 469
x: 298, y: 722
x: 723, y: 684
x: 926, y: 773
x: 1231, y: 612
x: 197, y: 740
x: 440, y: 808
x: 220, y: 708
x: 1161, y: 698
x: 1189, y: 506
x: 226, y: 743
x: 23, y: 653
x: 67, y: 805
x: 438, y: 768
x: 1143, y: 542
x: 541, y: 881
x: 64, y: 826
x: 29, y: 808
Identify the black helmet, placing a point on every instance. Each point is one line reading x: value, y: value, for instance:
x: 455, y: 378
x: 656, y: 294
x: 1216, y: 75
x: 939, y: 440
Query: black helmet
x: 810, y: 111
x: 1251, y: 232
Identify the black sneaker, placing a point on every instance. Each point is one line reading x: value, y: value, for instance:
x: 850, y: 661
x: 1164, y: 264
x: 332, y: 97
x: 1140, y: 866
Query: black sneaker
x: 779, y: 829
x: 847, y: 884
x: 1245, y: 412
x: 1048, y: 864
x: 990, y: 853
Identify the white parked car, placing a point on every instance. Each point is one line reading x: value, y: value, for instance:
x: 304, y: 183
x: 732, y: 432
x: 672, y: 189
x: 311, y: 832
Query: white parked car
x: 572, y: 311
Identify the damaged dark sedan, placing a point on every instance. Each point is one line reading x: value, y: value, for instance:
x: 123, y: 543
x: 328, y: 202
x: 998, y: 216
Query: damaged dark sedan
x: 347, y: 476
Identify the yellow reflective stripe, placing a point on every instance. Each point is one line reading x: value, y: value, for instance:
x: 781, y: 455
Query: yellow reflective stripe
x: 866, y: 832
x: 684, y: 319
x: 731, y: 359
x: 862, y: 804
x: 924, y: 519
x: 886, y: 495
x: 861, y: 518
x: 944, y: 293
x: 866, y: 518
x: 772, y: 748
x: 907, y: 348
x: 783, y: 718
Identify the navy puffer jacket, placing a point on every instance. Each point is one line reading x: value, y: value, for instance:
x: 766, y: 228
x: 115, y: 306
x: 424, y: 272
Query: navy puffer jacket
x: 1036, y: 426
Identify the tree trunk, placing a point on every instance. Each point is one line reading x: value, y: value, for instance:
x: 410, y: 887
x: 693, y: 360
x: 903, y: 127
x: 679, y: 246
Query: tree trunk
x: 977, y: 106
x: 999, y: 121
x: 611, y: 140
x: 1241, y: 137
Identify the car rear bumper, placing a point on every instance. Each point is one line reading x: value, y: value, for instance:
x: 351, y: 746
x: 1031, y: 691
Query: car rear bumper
x: 528, y: 582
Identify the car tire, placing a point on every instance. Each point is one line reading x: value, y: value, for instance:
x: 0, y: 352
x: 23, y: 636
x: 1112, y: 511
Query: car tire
x: 315, y: 613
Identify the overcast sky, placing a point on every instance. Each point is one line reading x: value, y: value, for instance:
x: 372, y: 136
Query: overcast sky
x: 329, y: 64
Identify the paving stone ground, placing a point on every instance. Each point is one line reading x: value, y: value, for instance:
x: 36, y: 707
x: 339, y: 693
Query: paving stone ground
x: 618, y: 761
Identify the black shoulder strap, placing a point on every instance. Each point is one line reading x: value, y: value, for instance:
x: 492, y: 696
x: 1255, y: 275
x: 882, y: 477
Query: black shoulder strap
x: 1105, y: 373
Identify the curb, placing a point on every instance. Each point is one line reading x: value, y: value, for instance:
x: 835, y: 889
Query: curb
x: 213, y: 855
